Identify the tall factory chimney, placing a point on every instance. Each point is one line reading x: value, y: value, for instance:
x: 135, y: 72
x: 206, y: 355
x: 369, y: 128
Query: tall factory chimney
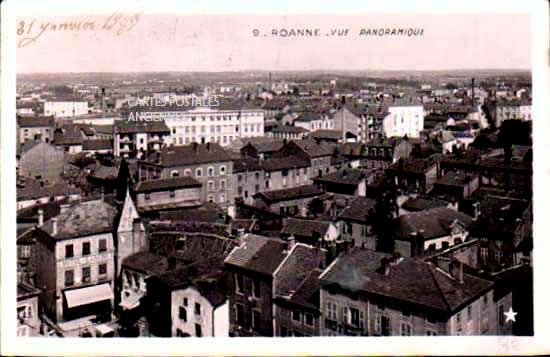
x: 473, y: 94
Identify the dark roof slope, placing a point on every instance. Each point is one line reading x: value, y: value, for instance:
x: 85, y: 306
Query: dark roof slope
x: 344, y: 177
x: 167, y: 184
x: 290, y: 193
x: 358, y: 209
x: 189, y: 155
x: 36, y: 122
x: 436, y: 222
x: 148, y: 263
x: 259, y: 254
x: 304, y: 227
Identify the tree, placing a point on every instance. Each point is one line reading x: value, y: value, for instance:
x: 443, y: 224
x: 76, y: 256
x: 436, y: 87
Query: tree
x: 381, y: 218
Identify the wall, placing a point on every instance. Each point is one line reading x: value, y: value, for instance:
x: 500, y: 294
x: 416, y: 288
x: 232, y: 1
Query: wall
x: 31, y: 323
x: 43, y: 159
x: 221, y: 320
x: 205, y: 319
x: 182, y: 197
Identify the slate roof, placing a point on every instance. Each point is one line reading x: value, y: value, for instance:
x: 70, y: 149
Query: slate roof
x: 289, y: 129
x: 345, y: 177
x: 307, y: 293
x: 51, y: 209
x: 411, y: 280
x: 259, y: 254
x: 308, y: 117
x: 458, y: 179
x: 358, y: 209
x: 263, y: 145
x: 290, y: 193
x: 36, y: 122
x: 411, y: 165
x: 167, y: 184
x: 435, y: 222
x: 83, y: 219
x: 104, y: 129
x: 189, y: 155
x: 98, y: 144
x: 326, y: 134
x: 105, y: 172
x: 423, y: 203
x: 304, y: 227
x: 207, y: 212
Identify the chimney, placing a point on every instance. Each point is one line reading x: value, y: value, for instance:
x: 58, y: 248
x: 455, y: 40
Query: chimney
x: 476, y: 210
x: 40, y: 217
x: 473, y: 95
x: 385, y: 265
x: 457, y: 271
x: 54, y: 226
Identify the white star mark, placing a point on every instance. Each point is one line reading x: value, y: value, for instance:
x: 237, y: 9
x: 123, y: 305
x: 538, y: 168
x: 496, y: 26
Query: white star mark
x: 510, y: 315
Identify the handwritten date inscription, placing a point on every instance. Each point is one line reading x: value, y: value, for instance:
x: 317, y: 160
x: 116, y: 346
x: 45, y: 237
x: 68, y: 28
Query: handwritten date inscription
x: 118, y: 23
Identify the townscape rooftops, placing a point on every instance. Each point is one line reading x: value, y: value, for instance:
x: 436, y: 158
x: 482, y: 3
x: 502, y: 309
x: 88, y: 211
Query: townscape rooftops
x: 146, y: 262
x: 284, y: 163
x: 265, y: 145
x: 36, y: 121
x: 457, y: 179
x: 207, y: 212
x: 192, y: 154
x: 435, y: 222
x: 344, y: 177
x: 83, y: 219
x: 246, y: 165
x: 290, y: 193
x: 412, y: 165
x: 97, y: 144
x: 328, y: 134
x: 358, y: 209
x: 32, y: 189
x: 289, y: 129
x: 171, y: 183
x: 411, y: 280
x: 423, y: 203
x: 314, y: 149
x: 305, y: 227
x: 132, y: 127
x: 259, y: 254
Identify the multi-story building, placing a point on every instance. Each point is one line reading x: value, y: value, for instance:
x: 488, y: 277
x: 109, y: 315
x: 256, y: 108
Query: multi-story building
x: 35, y: 128
x: 354, y: 223
x: 75, y: 264
x: 136, y: 139
x: 221, y: 125
x: 248, y: 177
x: 404, y: 119
x: 65, y: 107
x: 413, y: 175
x: 318, y: 154
x: 288, y: 132
x: 314, y: 121
x: 207, y: 163
x: 168, y: 193
x: 514, y: 109
x: 28, y: 323
x: 250, y: 289
x: 296, y: 290
x: 395, y: 296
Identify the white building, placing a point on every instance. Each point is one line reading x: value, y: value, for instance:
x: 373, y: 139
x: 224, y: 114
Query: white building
x: 404, y: 120
x: 199, y: 312
x: 65, y: 107
x: 203, y: 125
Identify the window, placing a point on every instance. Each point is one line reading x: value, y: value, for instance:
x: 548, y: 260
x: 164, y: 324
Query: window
x: 406, y: 329
x: 86, y: 274
x: 102, y: 269
x: 210, y: 171
x: 222, y: 198
x: 445, y: 245
x: 172, y: 193
x: 267, y: 184
x: 485, y: 299
x: 147, y: 196
x: 296, y: 316
x: 187, y: 172
x: 485, y: 321
x: 69, y: 251
x: 501, y: 315
x: 354, y: 316
x: 498, y: 256
x: 309, y: 319
x: 257, y: 188
x: 284, y: 331
x: 331, y: 308
x: 175, y: 173
x: 458, y: 317
x: 222, y: 184
x: 210, y: 198
x: 183, y: 314
x: 222, y: 170
x: 257, y: 288
x: 86, y: 248
x: 136, y: 280
x: 256, y: 319
x: 431, y: 247
x: 381, y: 307
x: 102, y: 245
x: 469, y: 313
x: 198, y: 330
x: 185, y: 301
x: 197, y: 308
x: 211, y: 185
x: 240, y: 314
x: 431, y: 333
x: 198, y: 172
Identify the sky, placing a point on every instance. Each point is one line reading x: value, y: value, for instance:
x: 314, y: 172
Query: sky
x: 149, y: 41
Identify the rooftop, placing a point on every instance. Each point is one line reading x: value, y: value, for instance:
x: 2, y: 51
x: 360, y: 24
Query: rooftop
x: 258, y: 253
x: 358, y: 209
x: 290, y: 193
x: 171, y: 183
x: 435, y: 222
x: 192, y: 154
x: 305, y: 227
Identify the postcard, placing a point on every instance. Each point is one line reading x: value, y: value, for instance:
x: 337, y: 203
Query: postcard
x: 245, y: 179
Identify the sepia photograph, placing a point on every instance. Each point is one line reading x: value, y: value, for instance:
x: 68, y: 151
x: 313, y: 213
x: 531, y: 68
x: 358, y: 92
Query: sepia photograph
x: 185, y: 173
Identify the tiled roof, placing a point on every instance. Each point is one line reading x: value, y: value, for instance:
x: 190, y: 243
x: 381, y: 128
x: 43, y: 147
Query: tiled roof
x: 167, y: 184
x: 422, y: 203
x: 302, y: 260
x: 314, y: 149
x: 418, y: 166
x: 98, y: 144
x: 246, y: 164
x: 454, y: 179
x: 411, y: 280
x: 435, y: 222
x: 192, y: 154
x: 103, y: 129
x: 290, y: 193
x: 35, y: 122
x: 282, y: 163
x: 304, y: 227
x: 289, y: 129
x: 83, y: 219
x: 130, y: 127
x: 326, y: 134
x: 105, y: 172
x: 148, y: 263
x: 307, y: 293
x: 308, y: 116
x: 259, y: 254
x: 207, y: 212
x: 33, y: 189
x: 265, y: 145
x: 345, y: 176
x: 358, y: 209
